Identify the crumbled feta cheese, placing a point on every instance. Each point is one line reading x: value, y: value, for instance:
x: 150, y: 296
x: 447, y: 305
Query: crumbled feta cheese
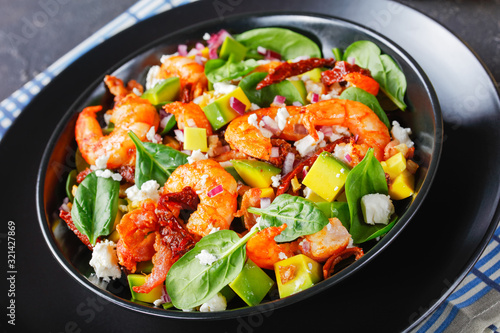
x: 165, y: 57
x: 264, y: 131
x: 377, y: 208
x: 223, y: 88
x: 254, y: 107
x: 341, y: 150
x: 282, y: 118
x: 196, y: 155
x: 123, y: 208
x: 299, y: 58
x: 149, y: 190
x: 252, y: 120
x: 305, y: 77
x: 105, y: 261
x: 151, y: 135
x: 217, y: 303
x: 276, y: 180
x: 401, y: 134
x: 324, y: 97
x: 108, y: 174
x: 282, y: 256
x: 206, y: 258
x: 137, y: 92
x: 158, y: 302
x: 152, y: 77
x: 100, y: 163
x: 307, y: 145
x: 206, y: 36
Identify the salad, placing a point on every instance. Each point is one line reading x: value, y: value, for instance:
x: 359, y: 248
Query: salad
x: 246, y: 168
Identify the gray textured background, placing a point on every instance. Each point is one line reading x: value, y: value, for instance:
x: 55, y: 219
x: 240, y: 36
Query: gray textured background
x: 34, y: 34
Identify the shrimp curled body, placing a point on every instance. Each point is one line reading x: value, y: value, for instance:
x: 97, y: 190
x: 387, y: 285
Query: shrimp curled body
x: 191, y: 74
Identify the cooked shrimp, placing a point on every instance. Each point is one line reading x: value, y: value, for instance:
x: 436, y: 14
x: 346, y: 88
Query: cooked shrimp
x: 263, y: 250
x: 214, y: 212
x: 332, y: 239
x: 251, y: 198
x: 189, y: 115
x: 191, y: 74
x: 117, y: 88
x: 247, y: 138
x: 131, y: 113
x: 136, y: 230
x: 357, y: 117
x: 363, y: 82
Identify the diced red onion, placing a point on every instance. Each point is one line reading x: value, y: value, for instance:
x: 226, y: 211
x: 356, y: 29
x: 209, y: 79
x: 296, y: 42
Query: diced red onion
x: 64, y: 205
x: 216, y: 190
x: 288, y: 163
x: 179, y: 134
x: 221, y: 150
x: 314, y: 98
x: 348, y: 158
x: 212, y: 53
x: 165, y: 298
x: 270, y: 124
x: 199, y: 46
x: 351, y: 60
x: 265, y: 202
x: 182, y: 49
x: 297, y: 103
x: 199, y: 59
x: 158, y: 137
x: 218, y: 38
x: 299, y: 129
x: 165, y: 118
x: 326, y: 130
x: 237, y: 105
x: 279, y: 99
x: 304, y: 172
x: 275, y: 152
x: 356, y: 138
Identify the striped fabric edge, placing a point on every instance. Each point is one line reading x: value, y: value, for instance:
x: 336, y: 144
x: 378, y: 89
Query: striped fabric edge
x: 483, y: 278
x: 12, y: 106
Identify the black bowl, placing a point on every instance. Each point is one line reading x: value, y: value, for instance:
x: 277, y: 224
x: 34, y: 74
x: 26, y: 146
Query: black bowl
x: 423, y: 117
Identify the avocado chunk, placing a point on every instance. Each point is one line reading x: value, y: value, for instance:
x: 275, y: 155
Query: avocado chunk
x: 314, y: 74
x: 220, y: 112
x: 301, y: 90
x: 231, y: 47
x: 139, y: 280
x: 195, y: 138
x: 167, y: 90
x: 327, y: 176
x: 144, y: 267
x: 394, y: 165
x: 296, y: 274
x: 402, y: 186
x: 252, y: 284
x: 234, y: 173
x: 256, y: 173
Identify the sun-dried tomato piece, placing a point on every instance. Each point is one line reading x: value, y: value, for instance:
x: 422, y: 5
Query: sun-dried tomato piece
x: 82, y: 174
x: 341, y: 68
x: 329, y: 266
x: 66, y: 216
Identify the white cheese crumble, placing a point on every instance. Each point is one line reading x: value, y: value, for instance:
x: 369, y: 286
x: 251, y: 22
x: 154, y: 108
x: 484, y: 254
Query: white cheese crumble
x: 158, y: 302
x: 148, y: 190
x: 105, y: 261
x: 282, y: 118
x: 100, y: 163
x: 307, y: 144
x: 108, y: 174
x: 137, y: 92
x: 401, y: 134
x: 217, y: 303
x: 196, y: 155
x: 152, y: 77
x: 252, y: 120
x: 254, y: 107
x: 282, y: 256
x: 206, y: 36
x: 151, y: 135
x: 265, y: 132
x: 223, y: 88
x: 377, y: 208
x: 165, y: 57
x: 276, y: 180
x: 341, y: 150
x: 206, y: 258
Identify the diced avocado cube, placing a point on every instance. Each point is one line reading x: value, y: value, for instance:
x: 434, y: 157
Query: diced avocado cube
x: 327, y: 176
x: 296, y: 274
x: 402, y: 186
x: 234, y: 173
x: 144, y: 267
x: 139, y: 280
x: 220, y: 112
x: 195, y: 138
x: 394, y: 165
x: 167, y: 90
x: 267, y: 192
x: 301, y: 89
x: 314, y: 74
x: 231, y: 47
x: 252, y: 284
x: 228, y: 293
x: 256, y: 173
x: 311, y: 195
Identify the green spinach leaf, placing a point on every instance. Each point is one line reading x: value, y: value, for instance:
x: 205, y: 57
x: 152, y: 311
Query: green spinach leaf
x: 336, y: 209
x: 265, y: 96
x: 190, y: 283
x: 95, y: 206
x: 365, y: 178
x: 287, y: 43
x: 360, y: 95
x: 382, y: 67
x: 219, y: 70
x: 155, y: 161
x: 301, y: 216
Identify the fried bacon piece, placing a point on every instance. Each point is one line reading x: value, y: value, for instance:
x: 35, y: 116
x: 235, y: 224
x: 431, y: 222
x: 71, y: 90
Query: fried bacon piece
x: 341, y: 68
x: 66, y: 216
x: 329, y: 266
x: 128, y: 173
x: 289, y: 69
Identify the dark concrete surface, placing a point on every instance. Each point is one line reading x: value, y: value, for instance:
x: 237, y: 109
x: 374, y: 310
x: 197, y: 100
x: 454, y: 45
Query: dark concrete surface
x: 34, y: 34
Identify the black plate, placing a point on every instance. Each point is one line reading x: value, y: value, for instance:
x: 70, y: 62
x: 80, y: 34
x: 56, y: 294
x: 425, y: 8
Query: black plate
x: 427, y: 259
x: 328, y: 32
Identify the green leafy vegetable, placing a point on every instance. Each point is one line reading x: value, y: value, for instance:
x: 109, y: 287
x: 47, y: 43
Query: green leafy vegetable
x: 169, y: 125
x: 360, y: 95
x: 289, y: 44
x: 382, y: 67
x: 190, y: 283
x: 265, y: 96
x: 155, y: 161
x: 336, y: 209
x: 365, y: 178
x: 95, y: 206
x: 219, y: 70
x: 337, y: 53
x: 70, y: 181
x: 301, y: 216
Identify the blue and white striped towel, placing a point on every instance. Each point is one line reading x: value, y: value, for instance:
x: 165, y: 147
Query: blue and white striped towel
x: 473, y: 307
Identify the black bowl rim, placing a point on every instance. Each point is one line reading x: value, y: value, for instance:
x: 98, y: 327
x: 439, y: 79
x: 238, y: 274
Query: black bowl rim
x: 233, y: 313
